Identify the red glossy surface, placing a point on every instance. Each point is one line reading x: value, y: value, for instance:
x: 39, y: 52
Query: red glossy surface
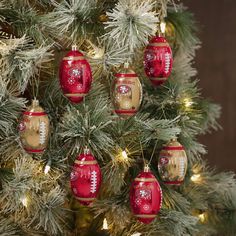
x: 75, y: 76
x: 85, y: 179
x: 145, y: 197
x: 158, y: 60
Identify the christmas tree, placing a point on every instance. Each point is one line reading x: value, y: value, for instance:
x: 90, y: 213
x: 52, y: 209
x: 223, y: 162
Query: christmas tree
x: 108, y: 146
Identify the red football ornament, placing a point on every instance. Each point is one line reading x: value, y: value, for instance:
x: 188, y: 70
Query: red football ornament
x: 145, y: 196
x: 158, y: 60
x: 126, y: 93
x: 85, y: 178
x: 75, y: 76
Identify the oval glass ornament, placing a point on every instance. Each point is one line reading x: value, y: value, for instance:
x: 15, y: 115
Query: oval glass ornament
x: 34, y: 128
x: 145, y: 196
x: 158, y: 60
x: 172, y: 163
x: 126, y: 93
x: 86, y: 178
x: 75, y: 76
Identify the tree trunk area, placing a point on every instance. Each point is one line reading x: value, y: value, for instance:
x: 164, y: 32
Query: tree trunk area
x: 216, y: 65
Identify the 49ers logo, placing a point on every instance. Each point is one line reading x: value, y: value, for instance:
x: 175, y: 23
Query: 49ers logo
x: 123, y: 89
x: 22, y: 125
x: 164, y: 160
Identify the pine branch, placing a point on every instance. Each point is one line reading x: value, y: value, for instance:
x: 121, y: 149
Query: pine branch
x: 10, y: 107
x: 131, y: 23
x: 88, y: 125
x: 24, y: 62
x: 72, y: 19
x: 49, y: 214
x: 8, y: 227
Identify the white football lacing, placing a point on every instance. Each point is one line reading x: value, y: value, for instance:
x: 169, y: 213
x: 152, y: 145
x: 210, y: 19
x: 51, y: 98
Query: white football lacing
x: 42, y: 132
x: 182, y: 166
x: 93, y: 186
x: 167, y: 62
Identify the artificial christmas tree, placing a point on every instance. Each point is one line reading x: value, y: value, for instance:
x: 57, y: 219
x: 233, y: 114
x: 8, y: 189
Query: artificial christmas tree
x: 35, y: 192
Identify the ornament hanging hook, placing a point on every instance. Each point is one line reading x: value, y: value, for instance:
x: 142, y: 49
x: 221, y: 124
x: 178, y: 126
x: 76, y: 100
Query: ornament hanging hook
x: 86, y: 150
x: 146, y: 168
x: 74, y: 47
x: 126, y: 65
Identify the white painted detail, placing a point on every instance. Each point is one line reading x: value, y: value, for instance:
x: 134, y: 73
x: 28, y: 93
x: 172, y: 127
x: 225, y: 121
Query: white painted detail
x: 182, y: 166
x: 149, y: 57
x: 76, y: 72
x: 151, y: 70
x: 145, y: 194
x: 71, y: 80
x: 42, y: 132
x: 167, y: 62
x: 74, y: 190
x: 93, y: 186
x: 138, y: 201
x: 146, y: 207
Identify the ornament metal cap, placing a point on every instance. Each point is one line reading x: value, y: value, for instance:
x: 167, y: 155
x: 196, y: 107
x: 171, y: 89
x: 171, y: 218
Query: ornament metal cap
x: 173, y: 139
x: 146, y: 168
x: 35, y: 102
x: 126, y: 65
x: 74, y: 47
x: 86, y: 150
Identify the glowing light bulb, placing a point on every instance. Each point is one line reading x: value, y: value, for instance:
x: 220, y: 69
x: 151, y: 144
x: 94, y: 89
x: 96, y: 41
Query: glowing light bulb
x: 47, y: 169
x: 187, y: 102
x: 98, y: 53
x: 24, y: 201
x: 95, y: 52
x: 202, y: 217
x: 124, y: 155
x: 105, y: 225
x: 163, y: 27
x: 196, y: 177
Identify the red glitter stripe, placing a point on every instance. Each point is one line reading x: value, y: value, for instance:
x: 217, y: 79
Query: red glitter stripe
x: 34, y: 150
x: 29, y: 113
x: 126, y: 75
x: 173, y: 182
x: 125, y: 111
x: 173, y: 148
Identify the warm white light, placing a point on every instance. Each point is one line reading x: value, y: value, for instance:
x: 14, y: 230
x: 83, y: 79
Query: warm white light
x: 187, y: 102
x: 202, y: 217
x: 98, y: 53
x: 163, y: 27
x: 24, y: 201
x: 196, y: 177
x: 47, y: 169
x: 124, y: 155
x: 136, y: 234
x: 105, y: 225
